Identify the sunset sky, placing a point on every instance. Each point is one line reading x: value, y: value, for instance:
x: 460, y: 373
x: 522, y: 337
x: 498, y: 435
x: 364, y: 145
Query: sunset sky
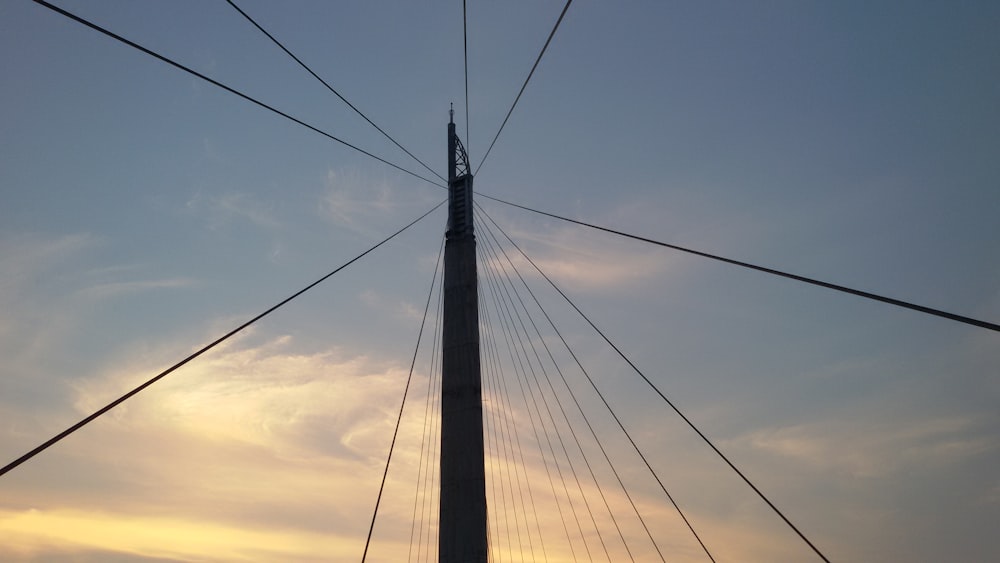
x: 144, y: 213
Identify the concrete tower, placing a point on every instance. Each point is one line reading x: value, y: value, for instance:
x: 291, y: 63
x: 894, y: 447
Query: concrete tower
x: 462, y: 534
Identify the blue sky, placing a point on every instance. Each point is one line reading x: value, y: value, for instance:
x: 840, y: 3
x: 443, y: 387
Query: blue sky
x: 145, y: 212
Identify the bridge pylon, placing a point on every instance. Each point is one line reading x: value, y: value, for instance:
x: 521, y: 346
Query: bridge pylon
x: 462, y: 535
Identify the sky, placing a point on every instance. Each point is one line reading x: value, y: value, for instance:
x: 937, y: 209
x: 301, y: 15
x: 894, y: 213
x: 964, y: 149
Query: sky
x: 145, y: 213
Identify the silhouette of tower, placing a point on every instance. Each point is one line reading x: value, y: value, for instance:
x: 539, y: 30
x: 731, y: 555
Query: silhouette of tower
x: 462, y: 534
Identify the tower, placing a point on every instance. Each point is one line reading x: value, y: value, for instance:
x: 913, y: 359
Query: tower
x: 462, y: 534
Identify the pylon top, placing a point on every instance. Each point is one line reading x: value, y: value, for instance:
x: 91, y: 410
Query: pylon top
x: 459, y: 185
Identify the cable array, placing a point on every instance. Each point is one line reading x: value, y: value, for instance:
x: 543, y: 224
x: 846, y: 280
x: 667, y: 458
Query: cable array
x: 336, y: 93
x: 521, y: 333
x: 229, y: 89
x: 546, y: 455
x: 514, y: 311
x: 532, y: 400
x: 402, y: 405
x: 424, y: 523
x: 425, y: 465
x: 500, y: 431
x: 494, y: 243
x: 670, y: 403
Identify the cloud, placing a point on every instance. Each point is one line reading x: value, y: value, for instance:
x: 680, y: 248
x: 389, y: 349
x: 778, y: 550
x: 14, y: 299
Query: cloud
x: 359, y: 202
x: 49, y: 287
x: 44, y: 533
x: 260, y: 436
x: 38, y: 276
x: 867, y: 449
x: 264, y: 395
x: 24, y: 259
x: 350, y: 199
x: 397, y: 307
x: 580, y: 259
x: 115, y: 289
x: 221, y: 210
x: 253, y: 439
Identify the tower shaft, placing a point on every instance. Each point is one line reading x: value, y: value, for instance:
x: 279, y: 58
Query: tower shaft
x: 462, y: 534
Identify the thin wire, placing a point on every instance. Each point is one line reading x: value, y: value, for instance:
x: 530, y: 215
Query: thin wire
x: 496, y: 474
x: 668, y: 401
x: 509, y: 288
x: 491, y: 381
x: 493, y: 449
x: 531, y: 418
x: 522, y: 378
x: 517, y: 526
x: 493, y: 246
x: 573, y: 395
x: 423, y: 436
x: 621, y: 425
x: 193, y: 72
x: 399, y: 419
x: 465, y: 49
x: 525, y: 85
x: 331, y: 88
x: 510, y: 432
x: 835, y: 287
x: 430, y: 473
x: 39, y: 449
x: 434, y: 384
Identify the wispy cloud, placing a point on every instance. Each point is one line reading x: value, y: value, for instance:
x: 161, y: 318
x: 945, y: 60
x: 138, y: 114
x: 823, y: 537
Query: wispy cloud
x: 221, y: 210
x: 251, y: 438
x: 356, y: 201
x: 26, y: 257
x: 272, y: 392
x: 36, y: 275
x: 115, y: 289
x: 397, y: 307
x: 50, y: 293
x: 42, y: 533
x: 863, y: 448
x: 350, y: 199
x: 583, y: 260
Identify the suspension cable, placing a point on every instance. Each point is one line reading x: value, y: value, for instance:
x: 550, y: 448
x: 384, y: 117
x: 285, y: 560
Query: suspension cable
x: 229, y: 89
x: 490, y: 374
x: 434, y: 442
x: 506, y: 283
x: 331, y: 88
x: 417, y: 496
x: 465, y: 50
x: 517, y: 366
x: 511, y: 437
x: 667, y: 400
x: 39, y: 449
x: 399, y: 419
x: 525, y: 85
x: 495, y: 245
x: 827, y: 285
x: 614, y: 415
